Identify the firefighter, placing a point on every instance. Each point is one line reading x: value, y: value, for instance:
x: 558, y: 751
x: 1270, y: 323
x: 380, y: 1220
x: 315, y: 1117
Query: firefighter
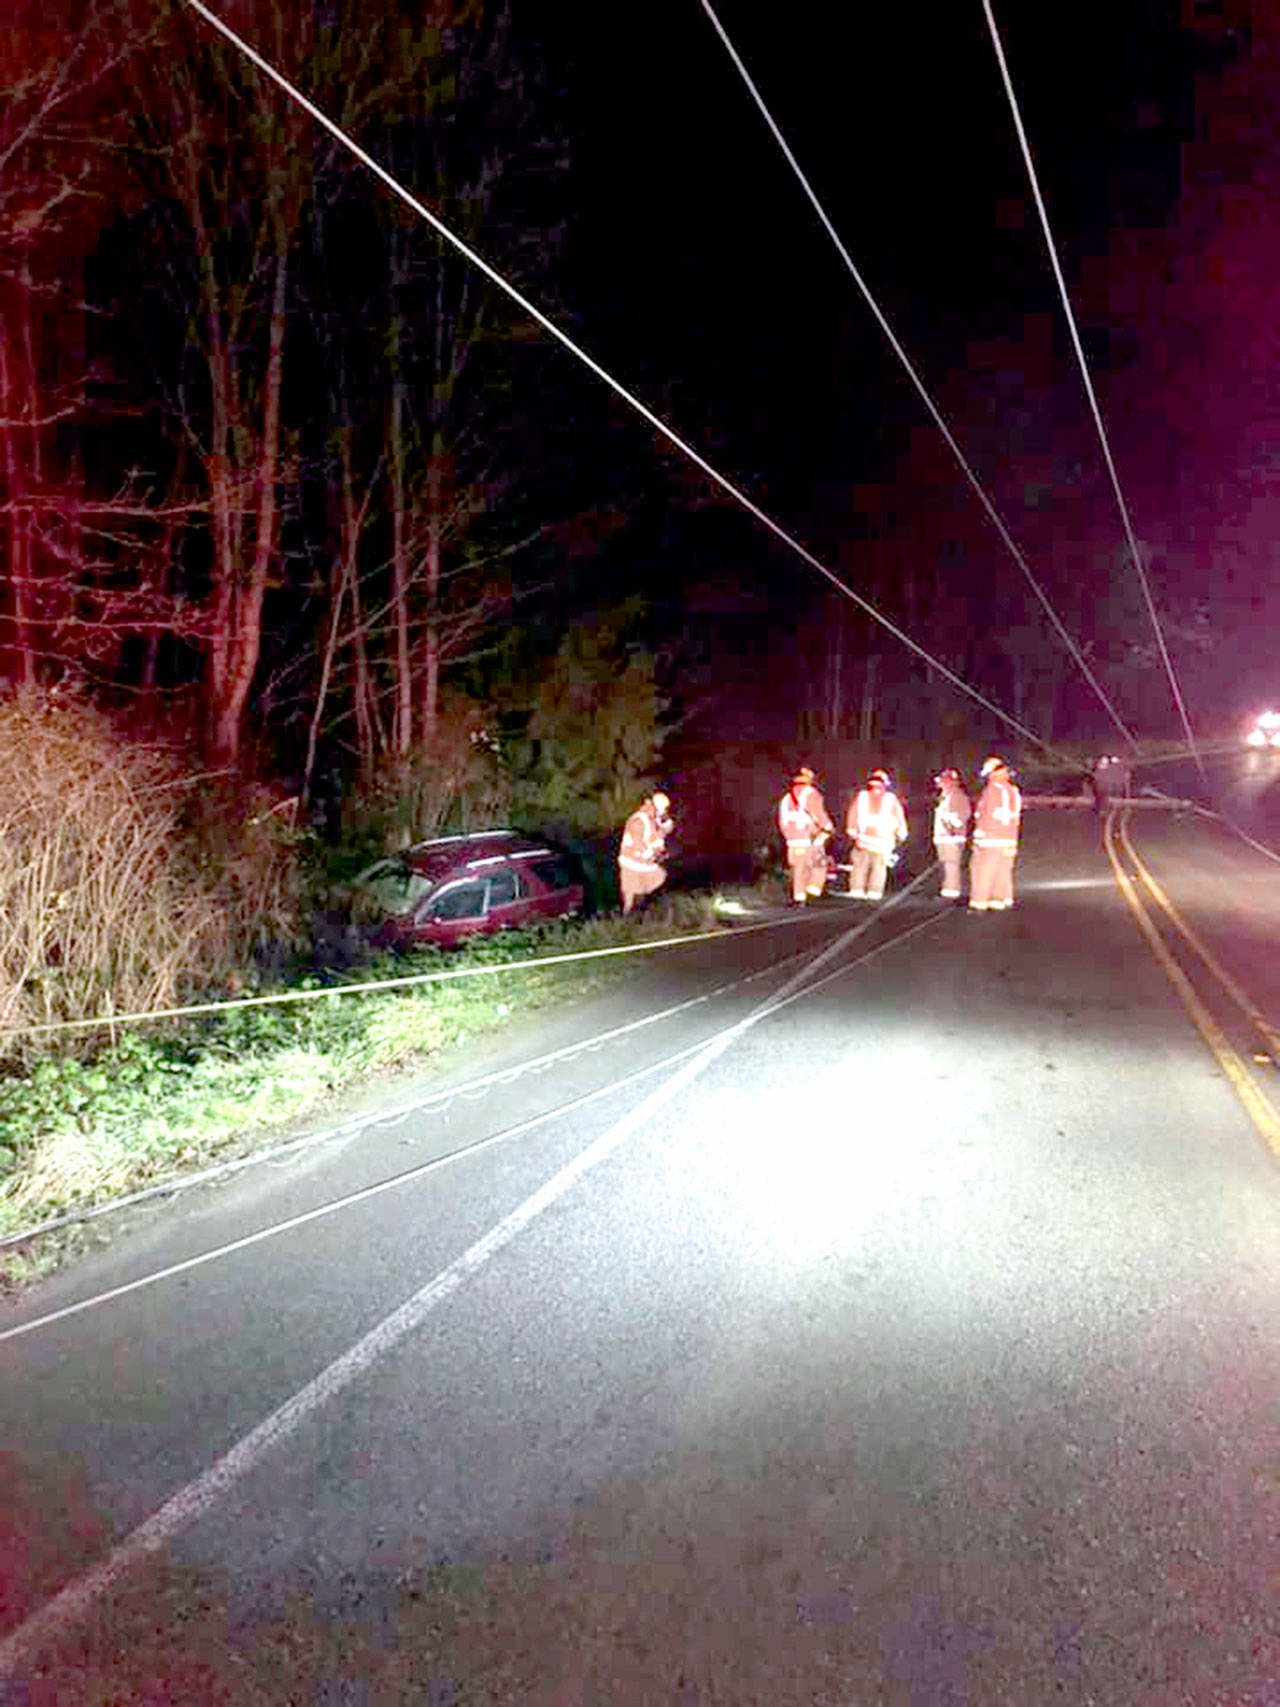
x: 995, y: 839
x: 876, y: 825
x: 805, y: 824
x: 951, y: 816
x: 644, y: 842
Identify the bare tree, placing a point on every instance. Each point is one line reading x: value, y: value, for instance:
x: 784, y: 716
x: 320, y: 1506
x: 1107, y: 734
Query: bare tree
x: 54, y: 124
x: 230, y: 164
x: 448, y: 354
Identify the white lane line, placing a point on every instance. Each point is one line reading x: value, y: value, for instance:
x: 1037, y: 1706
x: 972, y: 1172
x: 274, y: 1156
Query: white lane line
x: 71, y: 1604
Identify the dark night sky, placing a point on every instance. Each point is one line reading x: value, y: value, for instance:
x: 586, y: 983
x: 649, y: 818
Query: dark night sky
x: 697, y: 272
x: 701, y: 277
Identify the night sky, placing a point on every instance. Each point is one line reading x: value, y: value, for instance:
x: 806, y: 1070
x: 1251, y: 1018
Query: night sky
x: 700, y: 276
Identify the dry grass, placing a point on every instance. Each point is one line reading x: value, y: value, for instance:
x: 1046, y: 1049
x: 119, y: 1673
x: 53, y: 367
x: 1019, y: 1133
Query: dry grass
x: 109, y: 901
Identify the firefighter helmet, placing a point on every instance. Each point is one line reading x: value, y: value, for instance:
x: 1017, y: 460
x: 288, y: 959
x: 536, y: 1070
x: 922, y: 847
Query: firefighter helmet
x: 804, y: 774
x: 949, y: 774
x: 993, y: 764
x: 880, y: 777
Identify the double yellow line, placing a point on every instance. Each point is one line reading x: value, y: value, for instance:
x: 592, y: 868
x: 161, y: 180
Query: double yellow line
x: 1257, y: 1104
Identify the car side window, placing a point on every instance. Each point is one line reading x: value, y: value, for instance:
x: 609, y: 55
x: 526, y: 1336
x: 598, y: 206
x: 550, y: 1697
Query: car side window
x: 462, y: 901
x: 503, y: 888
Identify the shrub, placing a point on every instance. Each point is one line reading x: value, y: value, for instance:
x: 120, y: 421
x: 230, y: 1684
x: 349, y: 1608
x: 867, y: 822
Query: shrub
x: 125, y: 885
x: 98, y: 915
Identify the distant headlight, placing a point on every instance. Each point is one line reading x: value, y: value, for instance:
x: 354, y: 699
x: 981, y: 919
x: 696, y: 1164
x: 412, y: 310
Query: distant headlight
x: 1265, y: 731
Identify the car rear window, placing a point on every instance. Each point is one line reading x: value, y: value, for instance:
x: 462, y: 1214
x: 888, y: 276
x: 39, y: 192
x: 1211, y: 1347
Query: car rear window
x: 393, y: 888
x: 555, y: 873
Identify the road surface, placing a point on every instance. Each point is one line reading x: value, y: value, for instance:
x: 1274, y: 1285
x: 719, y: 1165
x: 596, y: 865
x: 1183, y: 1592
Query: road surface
x: 897, y: 1320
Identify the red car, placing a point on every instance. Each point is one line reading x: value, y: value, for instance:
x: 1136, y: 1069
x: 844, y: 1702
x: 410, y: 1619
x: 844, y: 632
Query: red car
x: 444, y: 891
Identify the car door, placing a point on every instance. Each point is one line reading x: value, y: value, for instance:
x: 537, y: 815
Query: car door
x: 454, y: 912
x: 507, y: 904
x: 558, y: 890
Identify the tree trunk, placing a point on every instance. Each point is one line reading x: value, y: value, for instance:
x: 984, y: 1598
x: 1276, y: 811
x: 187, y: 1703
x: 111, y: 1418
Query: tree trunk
x: 867, y: 717
x: 18, y: 646
x: 430, y: 698
x: 338, y: 577
x: 237, y: 641
x: 370, y: 738
x: 400, y: 566
x: 431, y: 642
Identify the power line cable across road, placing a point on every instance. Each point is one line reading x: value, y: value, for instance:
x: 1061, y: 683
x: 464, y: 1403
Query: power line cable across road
x: 796, y: 987
x: 375, y: 986
x: 793, y: 989
x: 173, y: 1184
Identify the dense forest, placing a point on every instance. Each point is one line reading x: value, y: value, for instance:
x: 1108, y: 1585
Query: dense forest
x: 280, y: 472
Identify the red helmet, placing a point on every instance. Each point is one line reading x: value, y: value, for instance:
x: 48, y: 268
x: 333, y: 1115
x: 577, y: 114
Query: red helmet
x: 879, y: 778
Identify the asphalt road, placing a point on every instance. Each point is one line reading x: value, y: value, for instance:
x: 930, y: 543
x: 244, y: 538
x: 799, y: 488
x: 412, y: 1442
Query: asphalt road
x: 915, y: 1340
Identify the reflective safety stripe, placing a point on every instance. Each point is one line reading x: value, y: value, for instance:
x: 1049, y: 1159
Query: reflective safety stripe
x: 951, y: 820
x: 877, y: 829
x: 802, y: 816
x: 642, y: 842
x: 995, y: 825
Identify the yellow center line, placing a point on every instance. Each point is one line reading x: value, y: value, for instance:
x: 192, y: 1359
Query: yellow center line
x: 1268, y: 1032
x: 1257, y: 1105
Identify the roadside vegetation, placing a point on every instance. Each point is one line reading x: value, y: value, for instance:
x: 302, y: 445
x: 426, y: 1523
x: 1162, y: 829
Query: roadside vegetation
x: 85, y: 1124
x: 129, y: 887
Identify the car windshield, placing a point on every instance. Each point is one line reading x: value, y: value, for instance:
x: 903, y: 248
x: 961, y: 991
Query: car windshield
x: 392, y: 887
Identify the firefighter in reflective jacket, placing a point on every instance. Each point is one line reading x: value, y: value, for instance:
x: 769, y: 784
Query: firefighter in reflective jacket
x: 951, y: 815
x: 876, y: 824
x: 805, y: 824
x: 644, y: 842
x: 995, y: 839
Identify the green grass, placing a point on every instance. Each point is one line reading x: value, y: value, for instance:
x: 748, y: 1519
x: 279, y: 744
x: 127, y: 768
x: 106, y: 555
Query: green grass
x: 159, y: 1102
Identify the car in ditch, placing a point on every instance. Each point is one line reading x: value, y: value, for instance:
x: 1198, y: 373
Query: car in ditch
x: 451, y: 889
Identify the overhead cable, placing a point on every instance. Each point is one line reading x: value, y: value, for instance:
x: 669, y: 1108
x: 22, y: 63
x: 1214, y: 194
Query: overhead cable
x: 376, y: 986
x: 1089, y: 391
x: 562, y: 337
x: 993, y: 514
